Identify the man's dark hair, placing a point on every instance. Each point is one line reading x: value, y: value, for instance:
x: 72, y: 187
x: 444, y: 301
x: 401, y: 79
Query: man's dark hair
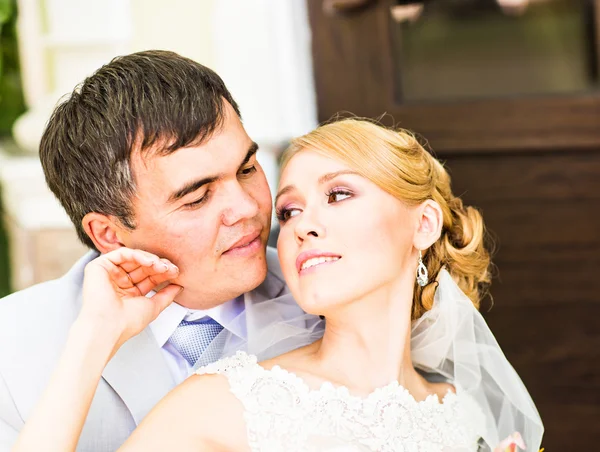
x: 148, y: 100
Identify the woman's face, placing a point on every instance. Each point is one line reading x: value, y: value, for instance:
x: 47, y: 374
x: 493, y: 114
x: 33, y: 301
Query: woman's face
x: 342, y: 237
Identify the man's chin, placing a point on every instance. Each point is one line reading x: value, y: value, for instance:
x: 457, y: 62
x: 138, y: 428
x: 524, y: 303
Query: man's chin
x: 235, y: 281
x: 249, y: 279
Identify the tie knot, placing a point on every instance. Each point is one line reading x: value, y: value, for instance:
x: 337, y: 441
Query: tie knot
x: 192, y: 339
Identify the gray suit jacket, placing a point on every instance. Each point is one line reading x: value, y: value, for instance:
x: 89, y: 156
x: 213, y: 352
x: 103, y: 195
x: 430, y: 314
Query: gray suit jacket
x: 34, y: 325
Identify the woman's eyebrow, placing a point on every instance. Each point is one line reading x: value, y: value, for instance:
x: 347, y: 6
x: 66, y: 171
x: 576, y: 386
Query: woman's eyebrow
x: 327, y: 177
x: 324, y: 178
x: 284, y: 190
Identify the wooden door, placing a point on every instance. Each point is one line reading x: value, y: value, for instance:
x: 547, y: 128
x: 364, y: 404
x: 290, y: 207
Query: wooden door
x: 528, y: 158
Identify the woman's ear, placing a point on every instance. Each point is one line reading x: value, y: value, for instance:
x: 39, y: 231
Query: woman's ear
x: 431, y: 221
x: 103, y: 230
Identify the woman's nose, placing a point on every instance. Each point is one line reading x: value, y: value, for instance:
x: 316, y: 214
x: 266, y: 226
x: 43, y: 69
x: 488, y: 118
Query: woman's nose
x: 309, y: 225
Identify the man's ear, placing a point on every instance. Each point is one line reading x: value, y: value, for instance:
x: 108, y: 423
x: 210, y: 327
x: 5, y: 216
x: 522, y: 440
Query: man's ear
x: 103, y: 230
x: 431, y: 221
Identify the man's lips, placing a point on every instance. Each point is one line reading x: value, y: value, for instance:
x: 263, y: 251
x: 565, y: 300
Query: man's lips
x: 244, y: 241
x: 312, y: 254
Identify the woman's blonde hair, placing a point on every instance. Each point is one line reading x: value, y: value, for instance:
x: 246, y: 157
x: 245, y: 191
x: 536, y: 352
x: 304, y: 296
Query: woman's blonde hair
x: 396, y: 162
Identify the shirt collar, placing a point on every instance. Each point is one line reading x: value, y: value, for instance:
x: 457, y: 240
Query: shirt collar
x: 226, y: 314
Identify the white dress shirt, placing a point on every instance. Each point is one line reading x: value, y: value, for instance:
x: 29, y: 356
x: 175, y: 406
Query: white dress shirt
x: 167, y: 322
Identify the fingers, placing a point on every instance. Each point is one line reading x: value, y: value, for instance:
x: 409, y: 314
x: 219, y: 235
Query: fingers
x: 151, y: 282
x: 147, y: 278
x: 166, y: 296
x: 129, y: 258
x: 158, y: 272
x: 159, y: 265
x: 132, y: 259
x: 128, y: 268
x: 117, y: 275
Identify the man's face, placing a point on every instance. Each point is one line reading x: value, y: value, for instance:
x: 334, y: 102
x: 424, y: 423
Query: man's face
x: 207, y: 209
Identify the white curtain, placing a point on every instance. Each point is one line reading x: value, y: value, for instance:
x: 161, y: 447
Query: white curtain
x: 263, y: 53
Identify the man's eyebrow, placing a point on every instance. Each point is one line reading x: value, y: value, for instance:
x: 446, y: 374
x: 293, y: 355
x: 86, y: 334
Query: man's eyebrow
x: 191, y: 187
x: 251, y: 151
x: 324, y: 178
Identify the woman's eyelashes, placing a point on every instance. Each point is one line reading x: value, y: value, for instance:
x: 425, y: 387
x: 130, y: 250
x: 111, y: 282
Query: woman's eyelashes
x: 338, y: 194
x: 335, y: 195
x: 283, y: 214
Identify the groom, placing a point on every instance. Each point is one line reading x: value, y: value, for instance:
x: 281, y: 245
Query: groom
x: 148, y: 153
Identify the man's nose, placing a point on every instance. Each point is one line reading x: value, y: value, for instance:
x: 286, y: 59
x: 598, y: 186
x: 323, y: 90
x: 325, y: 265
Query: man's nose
x: 239, y: 204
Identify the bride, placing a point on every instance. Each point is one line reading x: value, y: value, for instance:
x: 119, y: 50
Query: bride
x: 373, y: 240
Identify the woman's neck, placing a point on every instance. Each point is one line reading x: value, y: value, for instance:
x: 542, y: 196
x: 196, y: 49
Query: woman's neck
x: 366, y: 344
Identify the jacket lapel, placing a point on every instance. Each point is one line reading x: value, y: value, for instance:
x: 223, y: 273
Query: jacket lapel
x: 139, y: 374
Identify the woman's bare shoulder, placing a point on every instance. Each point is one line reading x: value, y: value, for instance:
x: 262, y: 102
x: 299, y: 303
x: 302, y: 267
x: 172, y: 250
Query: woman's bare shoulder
x: 296, y: 359
x: 199, y: 414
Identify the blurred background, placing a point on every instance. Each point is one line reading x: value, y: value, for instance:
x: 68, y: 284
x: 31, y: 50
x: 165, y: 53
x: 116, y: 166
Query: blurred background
x: 505, y: 92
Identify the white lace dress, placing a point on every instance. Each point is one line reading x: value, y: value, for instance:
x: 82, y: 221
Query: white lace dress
x: 283, y: 414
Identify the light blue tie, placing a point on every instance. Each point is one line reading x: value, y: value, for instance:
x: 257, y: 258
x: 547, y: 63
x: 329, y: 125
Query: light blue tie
x: 192, y: 339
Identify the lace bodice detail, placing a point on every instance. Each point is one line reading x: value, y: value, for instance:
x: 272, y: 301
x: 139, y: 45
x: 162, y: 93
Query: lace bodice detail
x: 283, y: 414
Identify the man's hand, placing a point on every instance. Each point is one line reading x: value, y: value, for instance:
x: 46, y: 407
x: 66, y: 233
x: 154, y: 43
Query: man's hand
x: 114, y: 289
x: 114, y: 309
